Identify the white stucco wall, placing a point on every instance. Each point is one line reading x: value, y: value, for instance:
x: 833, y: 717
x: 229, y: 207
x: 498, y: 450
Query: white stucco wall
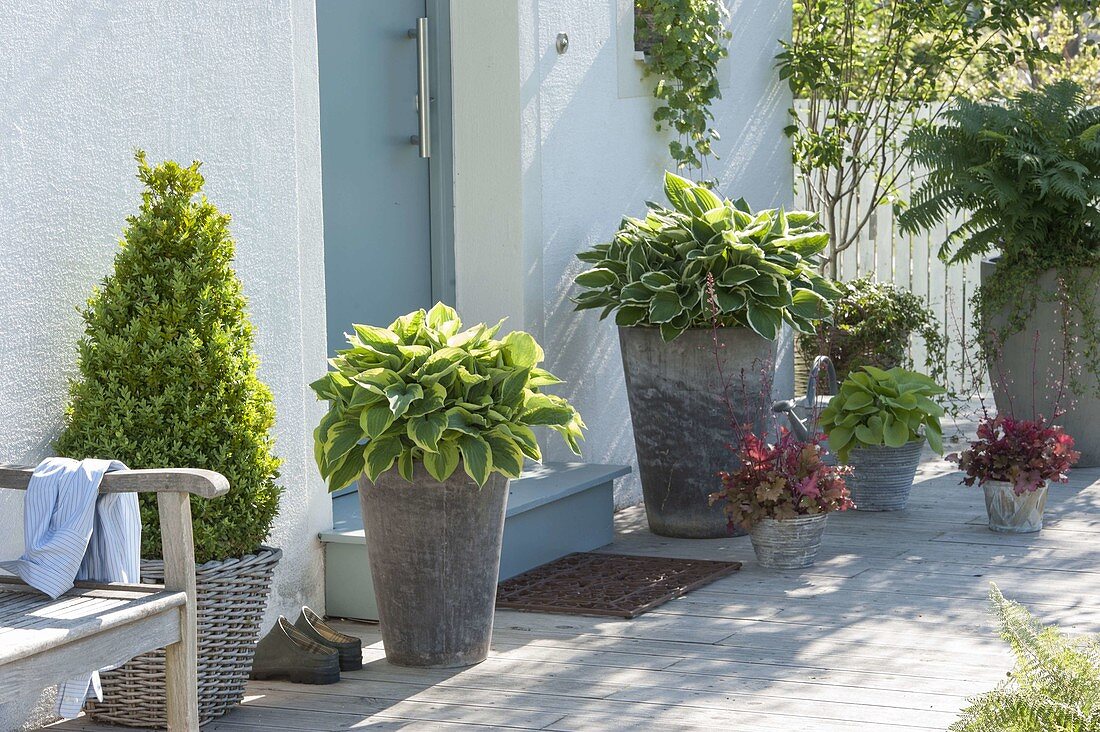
x: 231, y: 84
x: 590, y: 154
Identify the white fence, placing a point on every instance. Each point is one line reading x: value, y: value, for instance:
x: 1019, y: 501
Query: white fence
x: 910, y: 261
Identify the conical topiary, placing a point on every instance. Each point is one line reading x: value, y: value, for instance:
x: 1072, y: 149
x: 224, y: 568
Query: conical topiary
x: 167, y: 372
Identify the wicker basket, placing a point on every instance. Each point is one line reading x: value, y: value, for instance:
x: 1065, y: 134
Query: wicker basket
x: 232, y: 597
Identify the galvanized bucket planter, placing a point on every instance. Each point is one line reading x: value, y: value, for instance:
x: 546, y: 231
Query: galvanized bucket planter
x: 788, y: 543
x: 883, y: 476
x: 1011, y: 513
x: 434, y: 558
x: 682, y: 429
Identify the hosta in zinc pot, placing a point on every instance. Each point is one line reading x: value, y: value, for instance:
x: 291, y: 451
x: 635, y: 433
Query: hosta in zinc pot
x: 700, y: 292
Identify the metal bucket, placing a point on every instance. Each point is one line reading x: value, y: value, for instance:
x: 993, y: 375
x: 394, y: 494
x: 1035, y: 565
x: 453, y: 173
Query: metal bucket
x: 788, y: 543
x: 1013, y: 514
x: 883, y: 476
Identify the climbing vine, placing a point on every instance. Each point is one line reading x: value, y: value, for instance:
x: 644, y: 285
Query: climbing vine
x: 683, y: 41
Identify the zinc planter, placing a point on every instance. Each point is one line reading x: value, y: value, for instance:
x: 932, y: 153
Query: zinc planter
x: 1011, y: 513
x: 682, y: 429
x: 788, y: 543
x: 1025, y: 378
x: 232, y: 598
x: 434, y: 557
x: 883, y: 476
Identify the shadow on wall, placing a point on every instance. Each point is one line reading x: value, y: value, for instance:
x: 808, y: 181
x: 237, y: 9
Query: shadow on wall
x: 593, y: 156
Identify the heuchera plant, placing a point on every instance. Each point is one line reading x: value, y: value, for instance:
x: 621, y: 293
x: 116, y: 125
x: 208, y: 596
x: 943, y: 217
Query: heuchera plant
x: 781, y: 481
x: 1023, y: 452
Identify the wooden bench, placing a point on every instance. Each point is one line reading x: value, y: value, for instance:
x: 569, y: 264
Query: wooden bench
x: 44, y: 641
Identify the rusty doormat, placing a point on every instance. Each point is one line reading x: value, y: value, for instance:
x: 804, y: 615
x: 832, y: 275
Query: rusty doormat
x: 616, y: 585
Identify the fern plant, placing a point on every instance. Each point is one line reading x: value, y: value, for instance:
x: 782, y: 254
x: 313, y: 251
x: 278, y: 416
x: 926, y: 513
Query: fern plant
x: 1055, y: 685
x: 1026, y: 173
x: 167, y: 371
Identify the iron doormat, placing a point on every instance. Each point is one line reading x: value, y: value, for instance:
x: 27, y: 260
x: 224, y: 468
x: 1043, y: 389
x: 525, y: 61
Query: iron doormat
x: 615, y: 585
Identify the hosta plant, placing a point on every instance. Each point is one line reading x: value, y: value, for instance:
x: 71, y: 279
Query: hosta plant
x: 781, y: 481
x: 875, y: 408
x: 426, y: 391
x: 764, y: 265
x: 1024, y: 452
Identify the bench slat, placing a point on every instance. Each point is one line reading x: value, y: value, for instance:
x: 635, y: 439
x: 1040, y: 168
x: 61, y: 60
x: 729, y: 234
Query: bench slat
x: 205, y: 483
x: 38, y: 625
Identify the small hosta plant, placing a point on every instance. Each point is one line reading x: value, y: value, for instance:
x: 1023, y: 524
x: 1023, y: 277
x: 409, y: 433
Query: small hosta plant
x: 426, y: 391
x: 764, y: 265
x: 875, y: 408
x: 1026, y: 453
x: 781, y: 481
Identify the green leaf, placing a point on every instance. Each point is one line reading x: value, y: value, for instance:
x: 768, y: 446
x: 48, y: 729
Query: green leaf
x: 895, y: 432
x: 809, y: 304
x: 342, y: 437
x: 427, y: 430
x: 441, y: 314
x: 441, y: 464
x: 349, y: 469
x: 764, y: 320
x: 477, y: 457
x: 405, y: 464
x: 507, y: 455
x: 934, y: 434
x: 664, y: 307
x: 596, y: 278
x: 380, y: 454
x: 521, y: 350
x: 400, y: 396
x: 375, y: 336
x: 839, y: 437
x: 677, y: 192
x: 738, y: 275
x: 376, y: 419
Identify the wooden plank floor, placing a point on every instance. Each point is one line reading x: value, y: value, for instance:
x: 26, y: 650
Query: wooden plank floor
x: 890, y: 630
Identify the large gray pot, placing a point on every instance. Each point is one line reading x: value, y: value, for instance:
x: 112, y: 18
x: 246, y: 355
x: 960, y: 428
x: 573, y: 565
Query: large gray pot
x: 1011, y: 513
x: 788, y: 543
x: 1025, y: 377
x: 682, y: 427
x: 883, y: 476
x: 434, y: 556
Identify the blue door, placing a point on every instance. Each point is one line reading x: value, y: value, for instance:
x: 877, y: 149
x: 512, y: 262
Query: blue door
x: 385, y: 252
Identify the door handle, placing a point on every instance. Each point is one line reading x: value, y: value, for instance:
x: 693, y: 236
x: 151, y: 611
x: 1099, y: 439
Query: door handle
x: 423, y: 97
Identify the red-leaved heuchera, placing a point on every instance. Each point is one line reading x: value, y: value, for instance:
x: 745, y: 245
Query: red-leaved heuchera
x: 1025, y: 453
x: 781, y: 481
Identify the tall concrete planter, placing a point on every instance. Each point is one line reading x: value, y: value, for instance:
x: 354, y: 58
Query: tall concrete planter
x: 1025, y: 377
x: 434, y: 557
x: 682, y: 429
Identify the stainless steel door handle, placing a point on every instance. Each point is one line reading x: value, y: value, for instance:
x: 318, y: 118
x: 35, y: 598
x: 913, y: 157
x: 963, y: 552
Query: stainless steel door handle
x: 423, y: 97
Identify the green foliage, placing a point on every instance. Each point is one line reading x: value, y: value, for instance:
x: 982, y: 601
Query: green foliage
x: 167, y: 372
x: 684, y: 41
x: 1026, y: 176
x: 866, y: 67
x: 1054, y: 686
x: 1026, y: 173
x: 872, y: 324
x: 656, y: 270
x: 424, y: 390
x: 876, y: 407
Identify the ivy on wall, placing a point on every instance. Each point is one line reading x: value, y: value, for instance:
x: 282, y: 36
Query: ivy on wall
x: 683, y: 41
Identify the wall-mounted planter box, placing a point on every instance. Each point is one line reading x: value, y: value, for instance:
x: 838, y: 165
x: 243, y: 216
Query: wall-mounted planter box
x: 553, y: 510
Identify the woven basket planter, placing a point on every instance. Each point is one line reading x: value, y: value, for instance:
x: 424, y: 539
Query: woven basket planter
x: 232, y: 597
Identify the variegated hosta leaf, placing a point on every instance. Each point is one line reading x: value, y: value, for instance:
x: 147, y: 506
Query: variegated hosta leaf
x: 876, y: 407
x: 764, y: 264
x: 425, y: 390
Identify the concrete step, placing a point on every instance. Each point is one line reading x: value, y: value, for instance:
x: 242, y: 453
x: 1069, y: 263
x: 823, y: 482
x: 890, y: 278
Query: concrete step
x: 554, y: 509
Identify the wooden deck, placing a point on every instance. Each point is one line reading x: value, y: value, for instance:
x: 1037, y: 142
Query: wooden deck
x: 889, y: 631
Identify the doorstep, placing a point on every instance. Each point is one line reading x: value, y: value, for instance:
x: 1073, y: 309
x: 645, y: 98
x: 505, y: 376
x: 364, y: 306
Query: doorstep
x: 554, y: 509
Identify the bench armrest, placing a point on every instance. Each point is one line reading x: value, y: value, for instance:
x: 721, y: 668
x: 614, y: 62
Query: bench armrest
x: 205, y: 483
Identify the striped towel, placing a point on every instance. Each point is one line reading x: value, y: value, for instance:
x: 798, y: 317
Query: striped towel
x: 71, y: 532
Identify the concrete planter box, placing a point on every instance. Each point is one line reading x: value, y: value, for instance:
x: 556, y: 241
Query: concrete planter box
x: 883, y: 476
x: 434, y: 555
x: 1013, y: 514
x: 1025, y: 379
x: 682, y: 428
x: 788, y: 543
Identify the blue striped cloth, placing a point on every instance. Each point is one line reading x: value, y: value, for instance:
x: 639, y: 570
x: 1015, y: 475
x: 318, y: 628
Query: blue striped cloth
x: 71, y: 532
